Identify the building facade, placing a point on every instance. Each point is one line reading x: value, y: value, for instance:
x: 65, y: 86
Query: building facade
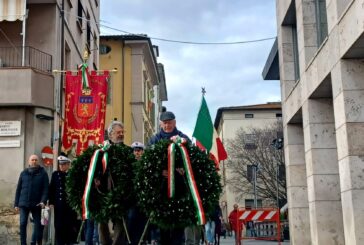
x: 321, y: 52
x: 227, y: 122
x: 138, y: 87
x: 36, y: 38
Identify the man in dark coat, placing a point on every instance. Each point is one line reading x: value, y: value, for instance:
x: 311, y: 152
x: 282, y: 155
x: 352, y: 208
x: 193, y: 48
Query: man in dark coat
x: 168, y: 128
x: 170, y: 131
x: 31, y: 196
x: 65, y: 219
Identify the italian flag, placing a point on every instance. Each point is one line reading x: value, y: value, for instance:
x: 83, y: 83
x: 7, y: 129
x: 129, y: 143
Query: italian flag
x: 206, y: 135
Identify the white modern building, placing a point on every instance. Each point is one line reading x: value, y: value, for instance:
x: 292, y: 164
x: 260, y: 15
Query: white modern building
x: 321, y: 52
x: 227, y: 122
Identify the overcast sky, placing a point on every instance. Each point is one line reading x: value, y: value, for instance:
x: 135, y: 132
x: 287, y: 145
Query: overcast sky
x: 231, y: 74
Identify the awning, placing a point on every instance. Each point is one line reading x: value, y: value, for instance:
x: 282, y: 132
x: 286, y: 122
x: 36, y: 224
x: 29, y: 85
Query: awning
x: 12, y: 10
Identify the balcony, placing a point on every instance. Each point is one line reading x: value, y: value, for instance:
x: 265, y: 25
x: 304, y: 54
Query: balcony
x: 28, y: 85
x: 11, y: 57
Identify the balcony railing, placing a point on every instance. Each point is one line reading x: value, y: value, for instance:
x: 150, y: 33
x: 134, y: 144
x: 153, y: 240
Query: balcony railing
x: 34, y: 58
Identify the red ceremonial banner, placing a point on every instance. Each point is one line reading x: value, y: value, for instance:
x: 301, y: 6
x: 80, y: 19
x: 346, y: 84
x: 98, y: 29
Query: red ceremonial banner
x: 84, y: 110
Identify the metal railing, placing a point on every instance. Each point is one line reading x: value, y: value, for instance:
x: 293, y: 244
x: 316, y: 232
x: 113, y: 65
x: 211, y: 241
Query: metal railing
x: 34, y: 58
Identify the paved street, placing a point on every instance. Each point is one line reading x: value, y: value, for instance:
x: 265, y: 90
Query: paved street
x: 230, y: 241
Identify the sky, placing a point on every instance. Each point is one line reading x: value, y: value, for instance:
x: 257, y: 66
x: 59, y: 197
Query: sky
x: 230, y: 74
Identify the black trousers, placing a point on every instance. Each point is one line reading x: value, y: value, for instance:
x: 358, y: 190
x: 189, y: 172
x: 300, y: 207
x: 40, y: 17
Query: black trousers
x: 172, y: 236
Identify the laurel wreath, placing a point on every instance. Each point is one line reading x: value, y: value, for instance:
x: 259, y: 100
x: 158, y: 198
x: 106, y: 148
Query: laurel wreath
x: 151, y: 186
x: 105, y: 202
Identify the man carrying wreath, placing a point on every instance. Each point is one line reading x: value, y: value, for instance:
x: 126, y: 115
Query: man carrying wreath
x: 169, y: 131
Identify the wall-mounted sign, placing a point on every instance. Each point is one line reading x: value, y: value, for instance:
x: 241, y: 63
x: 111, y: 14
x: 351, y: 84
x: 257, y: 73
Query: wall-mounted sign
x: 9, y: 143
x: 10, y: 128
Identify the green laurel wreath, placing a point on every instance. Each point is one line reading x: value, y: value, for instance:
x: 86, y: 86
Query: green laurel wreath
x: 104, y: 205
x: 151, y: 186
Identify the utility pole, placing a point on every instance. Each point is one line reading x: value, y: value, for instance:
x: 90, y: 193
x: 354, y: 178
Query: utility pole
x: 255, y: 170
x: 277, y: 176
x: 278, y: 145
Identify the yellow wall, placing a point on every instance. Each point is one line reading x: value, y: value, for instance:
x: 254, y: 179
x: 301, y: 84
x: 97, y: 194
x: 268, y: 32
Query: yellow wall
x: 111, y: 60
x: 127, y: 100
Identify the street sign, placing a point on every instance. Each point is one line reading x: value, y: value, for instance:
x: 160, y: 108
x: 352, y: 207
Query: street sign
x: 10, y: 128
x: 9, y: 143
x: 47, y: 156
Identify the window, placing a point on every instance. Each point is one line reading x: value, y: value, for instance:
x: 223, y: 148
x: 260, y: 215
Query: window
x: 249, y: 140
x: 79, y: 15
x: 249, y: 115
x: 70, y: 3
x: 104, y: 49
x: 88, y: 36
x: 249, y: 203
x: 321, y: 21
x: 109, y: 91
x: 278, y: 115
x: 296, y: 62
x: 290, y: 24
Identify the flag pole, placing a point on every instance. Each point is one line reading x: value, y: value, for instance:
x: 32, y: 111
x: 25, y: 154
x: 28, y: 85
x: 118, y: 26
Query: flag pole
x: 98, y: 71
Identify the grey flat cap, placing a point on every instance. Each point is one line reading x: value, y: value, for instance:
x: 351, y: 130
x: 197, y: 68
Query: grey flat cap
x: 167, y: 115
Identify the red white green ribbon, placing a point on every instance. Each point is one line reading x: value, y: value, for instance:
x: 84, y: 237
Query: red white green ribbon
x: 84, y: 72
x: 171, y: 168
x: 90, y: 178
x: 189, y: 174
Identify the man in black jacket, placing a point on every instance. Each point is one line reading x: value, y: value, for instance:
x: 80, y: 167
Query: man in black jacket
x: 31, y: 196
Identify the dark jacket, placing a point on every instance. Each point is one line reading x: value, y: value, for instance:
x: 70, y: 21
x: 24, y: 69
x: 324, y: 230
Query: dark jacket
x: 163, y: 135
x: 57, y: 192
x: 181, y: 185
x: 32, y: 188
x: 65, y: 217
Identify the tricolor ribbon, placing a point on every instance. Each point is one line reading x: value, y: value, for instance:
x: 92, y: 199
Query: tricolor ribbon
x: 189, y: 173
x: 84, y: 72
x: 90, y: 178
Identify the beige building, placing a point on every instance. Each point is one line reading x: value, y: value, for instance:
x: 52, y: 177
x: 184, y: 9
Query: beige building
x: 138, y: 88
x: 227, y: 122
x: 34, y: 40
x: 321, y: 51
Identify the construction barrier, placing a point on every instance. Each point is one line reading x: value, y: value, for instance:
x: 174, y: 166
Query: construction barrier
x: 259, y: 224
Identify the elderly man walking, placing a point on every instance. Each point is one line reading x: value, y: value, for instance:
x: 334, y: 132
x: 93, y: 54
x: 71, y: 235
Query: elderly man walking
x: 116, y: 136
x: 31, y: 196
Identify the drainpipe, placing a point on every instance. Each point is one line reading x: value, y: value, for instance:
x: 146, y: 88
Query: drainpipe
x: 60, y: 93
x: 23, y: 33
x: 123, y: 81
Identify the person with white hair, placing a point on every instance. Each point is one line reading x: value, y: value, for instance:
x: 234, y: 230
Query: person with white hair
x: 116, y: 136
x: 115, y: 132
